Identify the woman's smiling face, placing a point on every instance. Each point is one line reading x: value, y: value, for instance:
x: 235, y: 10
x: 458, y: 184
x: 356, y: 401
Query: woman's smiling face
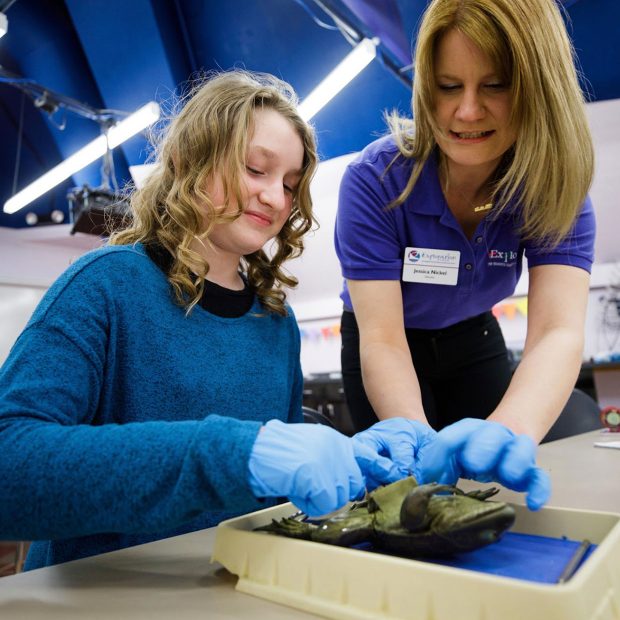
x: 472, y: 105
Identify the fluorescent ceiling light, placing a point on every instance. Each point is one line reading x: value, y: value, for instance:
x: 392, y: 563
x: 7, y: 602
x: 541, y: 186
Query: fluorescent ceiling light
x: 4, y: 24
x: 360, y: 56
x: 117, y: 134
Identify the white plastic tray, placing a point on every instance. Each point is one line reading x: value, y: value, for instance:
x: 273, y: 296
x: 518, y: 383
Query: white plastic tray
x: 351, y: 584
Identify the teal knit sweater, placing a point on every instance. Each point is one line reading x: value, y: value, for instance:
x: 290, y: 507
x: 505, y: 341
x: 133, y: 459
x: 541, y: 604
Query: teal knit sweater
x: 123, y: 420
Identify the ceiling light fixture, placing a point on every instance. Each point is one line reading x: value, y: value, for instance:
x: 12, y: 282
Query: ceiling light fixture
x: 357, y: 59
x: 117, y: 134
x: 4, y: 24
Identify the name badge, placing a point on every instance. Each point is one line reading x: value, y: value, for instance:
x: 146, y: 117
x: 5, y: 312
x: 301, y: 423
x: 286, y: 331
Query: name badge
x: 428, y: 266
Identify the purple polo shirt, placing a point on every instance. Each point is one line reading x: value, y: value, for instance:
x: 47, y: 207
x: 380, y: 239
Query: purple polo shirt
x: 371, y: 241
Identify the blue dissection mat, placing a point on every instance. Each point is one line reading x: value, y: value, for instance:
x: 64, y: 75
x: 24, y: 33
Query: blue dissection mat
x: 522, y: 556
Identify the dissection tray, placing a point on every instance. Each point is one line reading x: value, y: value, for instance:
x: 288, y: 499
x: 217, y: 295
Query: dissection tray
x: 355, y: 584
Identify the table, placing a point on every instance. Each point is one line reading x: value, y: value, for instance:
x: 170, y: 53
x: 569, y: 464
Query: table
x: 173, y: 578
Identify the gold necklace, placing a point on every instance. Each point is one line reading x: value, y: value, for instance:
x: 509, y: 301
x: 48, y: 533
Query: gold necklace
x: 487, y: 206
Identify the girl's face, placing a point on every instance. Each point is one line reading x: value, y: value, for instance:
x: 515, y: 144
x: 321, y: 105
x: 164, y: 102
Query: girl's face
x: 472, y: 105
x: 274, y: 162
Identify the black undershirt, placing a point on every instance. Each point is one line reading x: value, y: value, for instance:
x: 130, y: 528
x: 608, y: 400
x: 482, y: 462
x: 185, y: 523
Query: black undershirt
x: 215, y: 299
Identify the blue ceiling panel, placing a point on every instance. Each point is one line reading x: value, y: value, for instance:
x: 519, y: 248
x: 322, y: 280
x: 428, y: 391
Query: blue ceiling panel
x: 594, y: 26
x: 272, y: 35
x: 126, y: 54
x: 410, y: 14
x: 281, y: 38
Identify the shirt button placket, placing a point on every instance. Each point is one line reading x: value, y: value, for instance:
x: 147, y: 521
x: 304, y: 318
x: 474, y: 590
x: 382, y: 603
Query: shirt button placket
x: 467, y: 276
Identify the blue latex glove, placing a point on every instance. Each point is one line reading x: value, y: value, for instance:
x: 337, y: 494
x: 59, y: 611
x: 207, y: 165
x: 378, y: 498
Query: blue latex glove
x: 314, y: 466
x: 402, y: 440
x: 486, y: 451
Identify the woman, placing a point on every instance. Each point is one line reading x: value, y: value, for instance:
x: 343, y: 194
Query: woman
x: 148, y: 394
x: 434, y: 221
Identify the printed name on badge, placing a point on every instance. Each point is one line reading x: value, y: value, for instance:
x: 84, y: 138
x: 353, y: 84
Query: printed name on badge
x: 428, y: 266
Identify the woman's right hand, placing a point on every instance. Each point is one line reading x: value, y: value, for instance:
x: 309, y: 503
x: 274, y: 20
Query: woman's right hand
x: 486, y: 451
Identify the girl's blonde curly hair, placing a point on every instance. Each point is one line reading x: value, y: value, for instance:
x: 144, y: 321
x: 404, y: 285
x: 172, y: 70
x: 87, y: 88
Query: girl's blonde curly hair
x: 209, y: 136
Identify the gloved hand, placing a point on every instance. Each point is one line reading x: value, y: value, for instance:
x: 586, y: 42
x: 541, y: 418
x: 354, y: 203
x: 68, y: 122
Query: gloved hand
x: 402, y: 440
x: 483, y: 450
x: 314, y: 466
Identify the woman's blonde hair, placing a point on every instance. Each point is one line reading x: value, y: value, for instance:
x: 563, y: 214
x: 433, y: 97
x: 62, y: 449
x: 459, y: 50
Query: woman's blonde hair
x: 549, y: 169
x: 209, y: 136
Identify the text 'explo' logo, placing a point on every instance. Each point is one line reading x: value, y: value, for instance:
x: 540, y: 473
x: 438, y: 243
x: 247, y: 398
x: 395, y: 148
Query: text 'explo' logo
x: 502, y: 258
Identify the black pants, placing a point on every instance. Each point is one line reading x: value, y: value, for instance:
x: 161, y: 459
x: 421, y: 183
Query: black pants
x: 463, y: 370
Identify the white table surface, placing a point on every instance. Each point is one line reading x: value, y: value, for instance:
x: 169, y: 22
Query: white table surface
x: 174, y: 578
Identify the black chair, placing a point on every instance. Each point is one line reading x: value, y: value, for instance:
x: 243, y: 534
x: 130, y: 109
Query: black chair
x: 313, y: 416
x: 581, y: 414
